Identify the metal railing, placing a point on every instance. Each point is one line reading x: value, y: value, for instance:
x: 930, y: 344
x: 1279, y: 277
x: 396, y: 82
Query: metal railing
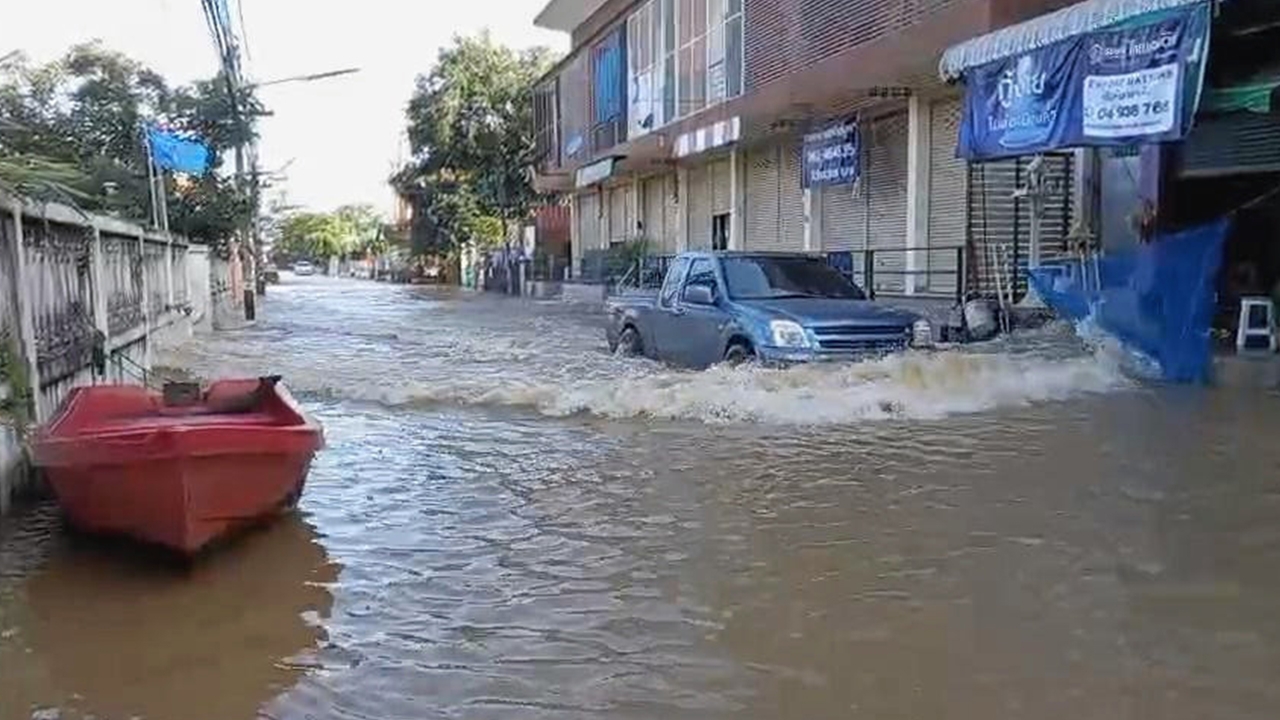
x: 860, y: 266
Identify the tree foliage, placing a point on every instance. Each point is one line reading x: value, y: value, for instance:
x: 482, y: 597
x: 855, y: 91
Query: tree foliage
x: 351, y: 230
x: 72, y: 132
x: 470, y: 127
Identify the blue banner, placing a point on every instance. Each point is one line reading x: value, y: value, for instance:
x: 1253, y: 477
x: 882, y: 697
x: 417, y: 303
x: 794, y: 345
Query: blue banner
x: 1136, y: 83
x: 171, y: 151
x: 830, y: 156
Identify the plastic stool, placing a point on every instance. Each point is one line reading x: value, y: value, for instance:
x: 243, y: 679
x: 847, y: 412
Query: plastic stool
x: 1257, y: 331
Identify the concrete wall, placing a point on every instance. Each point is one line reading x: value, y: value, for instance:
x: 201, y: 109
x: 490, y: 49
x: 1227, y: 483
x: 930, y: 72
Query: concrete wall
x: 70, y: 282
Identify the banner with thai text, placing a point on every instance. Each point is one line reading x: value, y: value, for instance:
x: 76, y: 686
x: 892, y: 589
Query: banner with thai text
x: 1136, y: 83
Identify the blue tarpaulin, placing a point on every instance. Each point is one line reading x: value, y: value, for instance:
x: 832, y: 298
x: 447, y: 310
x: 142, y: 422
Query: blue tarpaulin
x: 1136, y: 82
x: 1157, y: 299
x: 171, y: 151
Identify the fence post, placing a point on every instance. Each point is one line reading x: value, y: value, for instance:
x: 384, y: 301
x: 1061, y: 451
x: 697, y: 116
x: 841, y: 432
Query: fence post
x: 960, y: 275
x: 146, y: 304
x: 869, y: 273
x: 168, y: 268
x: 26, y: 312
x: 97, y: 281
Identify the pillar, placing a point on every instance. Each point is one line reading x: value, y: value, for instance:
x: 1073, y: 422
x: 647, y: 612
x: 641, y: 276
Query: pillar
x: 682, y: 209
x: 737, y: 199
x: 26, y: 313
x: 98, y: 281
x: 918, y: 169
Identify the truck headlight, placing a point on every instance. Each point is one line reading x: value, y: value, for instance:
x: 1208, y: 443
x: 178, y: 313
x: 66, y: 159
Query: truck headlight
x: 921, y: 334
x: 788, y: 334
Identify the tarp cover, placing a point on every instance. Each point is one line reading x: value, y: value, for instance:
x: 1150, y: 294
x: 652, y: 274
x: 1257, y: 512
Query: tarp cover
x: 1157, y: 299
x: 171, y: 151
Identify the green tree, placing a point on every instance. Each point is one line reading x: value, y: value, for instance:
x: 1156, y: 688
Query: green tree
x: 470, y: 126
x: 364, y: 227
x: 72, y: 132
x: 313, y: 236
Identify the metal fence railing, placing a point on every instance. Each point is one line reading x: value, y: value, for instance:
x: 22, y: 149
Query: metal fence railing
x: 940, y: 270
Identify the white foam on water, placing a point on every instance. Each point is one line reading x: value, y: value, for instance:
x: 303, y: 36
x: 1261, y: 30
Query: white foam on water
x: 510, y: 371
x: 913, y: 385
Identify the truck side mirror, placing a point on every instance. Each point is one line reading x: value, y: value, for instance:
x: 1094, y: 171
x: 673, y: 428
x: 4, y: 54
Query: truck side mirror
x: 700, y: 295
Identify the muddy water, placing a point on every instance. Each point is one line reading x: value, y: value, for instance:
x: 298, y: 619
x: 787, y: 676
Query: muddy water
x: 510, y: 523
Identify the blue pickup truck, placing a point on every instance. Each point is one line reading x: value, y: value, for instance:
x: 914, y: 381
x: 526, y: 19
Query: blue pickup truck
x: 774, y: 308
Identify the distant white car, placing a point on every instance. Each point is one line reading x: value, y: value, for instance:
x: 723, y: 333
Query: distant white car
x: 302, y: 267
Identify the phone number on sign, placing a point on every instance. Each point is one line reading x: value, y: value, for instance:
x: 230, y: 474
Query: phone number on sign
x: 1129, y: 111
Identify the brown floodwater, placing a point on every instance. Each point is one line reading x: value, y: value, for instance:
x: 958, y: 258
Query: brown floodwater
x: 510, y: 523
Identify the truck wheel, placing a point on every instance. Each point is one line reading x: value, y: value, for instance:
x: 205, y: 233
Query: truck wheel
x: 739, y: 353
x: 629, y: 344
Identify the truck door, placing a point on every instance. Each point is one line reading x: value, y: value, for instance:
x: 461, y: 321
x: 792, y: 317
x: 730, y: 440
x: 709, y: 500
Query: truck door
x: 667, y: 310
x: 702, y: 325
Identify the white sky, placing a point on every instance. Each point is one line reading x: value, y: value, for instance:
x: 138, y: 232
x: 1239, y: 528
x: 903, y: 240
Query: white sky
x: 343, y: 135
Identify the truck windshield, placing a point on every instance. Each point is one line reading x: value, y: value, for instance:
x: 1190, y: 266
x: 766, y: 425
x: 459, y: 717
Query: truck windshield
x: 761, y: 278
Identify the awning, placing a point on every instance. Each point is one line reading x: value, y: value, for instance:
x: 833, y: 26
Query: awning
x: 1078, y: 19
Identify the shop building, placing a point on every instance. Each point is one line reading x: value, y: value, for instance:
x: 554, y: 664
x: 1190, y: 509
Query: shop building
x: 685, y: 123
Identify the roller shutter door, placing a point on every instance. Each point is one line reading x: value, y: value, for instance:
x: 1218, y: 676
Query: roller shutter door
x: 651, y: 202
x: 588, y: 223
x: 948, y: 199
x: 671, y: 194
x: 619, y: 220
x: 721, y: 192
x: 699, y: 208
x: 762, y: 199
x: 844, y: 218
x: 791, y: 199
x: 886, y: 180
x: 1231, y: 144
x: 1000, y: 224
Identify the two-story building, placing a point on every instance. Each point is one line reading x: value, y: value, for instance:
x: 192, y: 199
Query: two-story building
x: 683, y: 122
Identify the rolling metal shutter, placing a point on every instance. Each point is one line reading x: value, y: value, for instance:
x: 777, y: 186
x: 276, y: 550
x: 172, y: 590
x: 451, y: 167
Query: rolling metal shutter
x: 762, y: 199
x: 948, y: 200
x: 651, y: 199
x: 721, y: 192
x: 671, y: 194
x: 588, y: 223
x: 699, y: 208
x: 844, y: 218
x: 1000, y: 224
x: 887, y: 200
x: 619, y: 222
x: 790, y: 199
x: 1232, y: 144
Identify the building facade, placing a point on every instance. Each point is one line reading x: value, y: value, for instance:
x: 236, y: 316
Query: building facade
x: 682, y: 123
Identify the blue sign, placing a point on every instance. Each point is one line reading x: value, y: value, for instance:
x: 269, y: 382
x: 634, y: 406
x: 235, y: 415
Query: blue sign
x: 1136, y: 83
x: 831, y: 156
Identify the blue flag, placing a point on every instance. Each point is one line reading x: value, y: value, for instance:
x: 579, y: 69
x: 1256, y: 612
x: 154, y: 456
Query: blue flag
x: 171, y: 151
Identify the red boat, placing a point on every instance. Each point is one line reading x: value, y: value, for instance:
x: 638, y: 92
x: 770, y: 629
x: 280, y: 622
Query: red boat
x: 178, y: 469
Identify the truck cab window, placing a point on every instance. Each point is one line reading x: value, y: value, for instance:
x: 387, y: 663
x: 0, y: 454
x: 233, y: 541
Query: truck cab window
x: 671, y: 286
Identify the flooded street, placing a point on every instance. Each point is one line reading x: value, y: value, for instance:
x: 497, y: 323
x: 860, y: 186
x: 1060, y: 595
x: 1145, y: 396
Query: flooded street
x: 510, y: 523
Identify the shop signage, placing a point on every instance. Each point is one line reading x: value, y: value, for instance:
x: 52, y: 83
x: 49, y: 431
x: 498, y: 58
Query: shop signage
x: 1137, y: 83
x: 831, y: 155
x: 595, y: 172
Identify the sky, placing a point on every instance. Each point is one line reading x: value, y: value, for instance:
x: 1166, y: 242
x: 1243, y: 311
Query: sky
x: 339, y: 138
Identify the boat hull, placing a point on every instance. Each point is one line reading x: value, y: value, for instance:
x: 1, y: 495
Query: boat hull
x: 182, y: 503
x: 180, y: 480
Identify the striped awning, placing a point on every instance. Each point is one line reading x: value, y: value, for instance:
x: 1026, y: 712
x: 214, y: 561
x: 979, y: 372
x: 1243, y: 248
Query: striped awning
x: 1078, y: 19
